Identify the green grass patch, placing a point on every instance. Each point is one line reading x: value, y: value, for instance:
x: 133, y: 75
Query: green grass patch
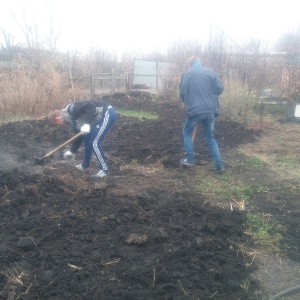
x: 140, y: 114
x: 207, y: 186
x: 249, y: 163
x: 254, y: 162
x: 288, y: 160
x: 265, y: 231
x: 227, y: 187
x: 243, y: 192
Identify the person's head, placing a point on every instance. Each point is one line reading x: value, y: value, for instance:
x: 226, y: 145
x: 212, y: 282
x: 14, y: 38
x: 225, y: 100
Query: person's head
x: 55, y: 117
x: 192, y: 60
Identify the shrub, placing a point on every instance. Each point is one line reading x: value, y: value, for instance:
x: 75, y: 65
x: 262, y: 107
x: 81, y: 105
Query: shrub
x: 235, y: 101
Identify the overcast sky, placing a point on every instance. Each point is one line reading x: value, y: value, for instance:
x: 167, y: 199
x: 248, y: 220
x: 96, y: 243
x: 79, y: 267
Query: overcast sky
x: 144, y: 26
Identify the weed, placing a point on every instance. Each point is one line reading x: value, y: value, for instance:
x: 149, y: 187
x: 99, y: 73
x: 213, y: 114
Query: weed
x: 165, y: 159
x: 135, y: 162
x: 265, y: 231
x: 245, y: 285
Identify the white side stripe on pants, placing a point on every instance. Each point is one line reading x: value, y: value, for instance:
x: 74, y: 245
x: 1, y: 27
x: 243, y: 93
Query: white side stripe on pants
x: 95, y: 142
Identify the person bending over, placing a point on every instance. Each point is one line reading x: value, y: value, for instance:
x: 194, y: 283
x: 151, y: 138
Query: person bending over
x: 93, y: 119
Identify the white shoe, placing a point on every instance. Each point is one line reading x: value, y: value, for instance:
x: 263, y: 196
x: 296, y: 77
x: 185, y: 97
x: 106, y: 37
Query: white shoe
x: 100, y: 174
x: 81, y: 168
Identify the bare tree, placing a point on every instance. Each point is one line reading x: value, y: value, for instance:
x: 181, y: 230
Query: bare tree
x: 32, y: 30
x: 289, y: 44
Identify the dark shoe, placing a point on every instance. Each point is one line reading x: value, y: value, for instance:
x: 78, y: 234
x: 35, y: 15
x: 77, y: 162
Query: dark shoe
x: 81, y: 168
x: 100, y: 174
x: 186, y: 163
x: 220, y: 169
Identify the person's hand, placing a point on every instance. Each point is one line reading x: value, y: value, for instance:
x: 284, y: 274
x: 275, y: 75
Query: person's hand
x: 68, y: 155
x: 86, y: 128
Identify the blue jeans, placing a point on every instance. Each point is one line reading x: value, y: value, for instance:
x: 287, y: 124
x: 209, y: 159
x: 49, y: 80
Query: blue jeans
x: 92, y: 141
x: 208, y: 124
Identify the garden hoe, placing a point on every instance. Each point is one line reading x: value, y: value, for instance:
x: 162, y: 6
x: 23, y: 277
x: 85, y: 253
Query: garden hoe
x: 40, y: 160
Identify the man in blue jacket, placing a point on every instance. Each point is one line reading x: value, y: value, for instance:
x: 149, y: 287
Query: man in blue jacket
x: 199, y: 91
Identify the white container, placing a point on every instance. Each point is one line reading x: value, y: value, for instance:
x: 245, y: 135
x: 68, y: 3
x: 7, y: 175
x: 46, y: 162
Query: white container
x: 297, y: 111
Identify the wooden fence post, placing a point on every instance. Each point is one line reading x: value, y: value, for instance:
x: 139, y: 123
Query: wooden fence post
x: 92, y: 86
x: 113, y: 80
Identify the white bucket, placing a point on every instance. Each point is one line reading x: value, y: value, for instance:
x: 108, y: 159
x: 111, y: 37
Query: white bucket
x: 297, y: 111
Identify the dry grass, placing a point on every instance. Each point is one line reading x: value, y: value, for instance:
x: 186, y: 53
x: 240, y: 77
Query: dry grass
x: 34, y: 90
x: 279, y: 149
x: 18, y: 282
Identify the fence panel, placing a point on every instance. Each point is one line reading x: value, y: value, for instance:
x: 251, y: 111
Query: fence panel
x: 104, y: 83
x: 150, y: 74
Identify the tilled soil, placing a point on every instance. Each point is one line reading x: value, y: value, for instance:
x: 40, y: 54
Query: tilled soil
x: 141, y: 233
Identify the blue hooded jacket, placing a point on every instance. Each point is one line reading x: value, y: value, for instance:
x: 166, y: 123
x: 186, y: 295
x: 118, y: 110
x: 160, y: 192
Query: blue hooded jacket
x: 199, y: 90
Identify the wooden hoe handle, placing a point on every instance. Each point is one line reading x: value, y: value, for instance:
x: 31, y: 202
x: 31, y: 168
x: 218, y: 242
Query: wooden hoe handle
x: 64, y: 144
